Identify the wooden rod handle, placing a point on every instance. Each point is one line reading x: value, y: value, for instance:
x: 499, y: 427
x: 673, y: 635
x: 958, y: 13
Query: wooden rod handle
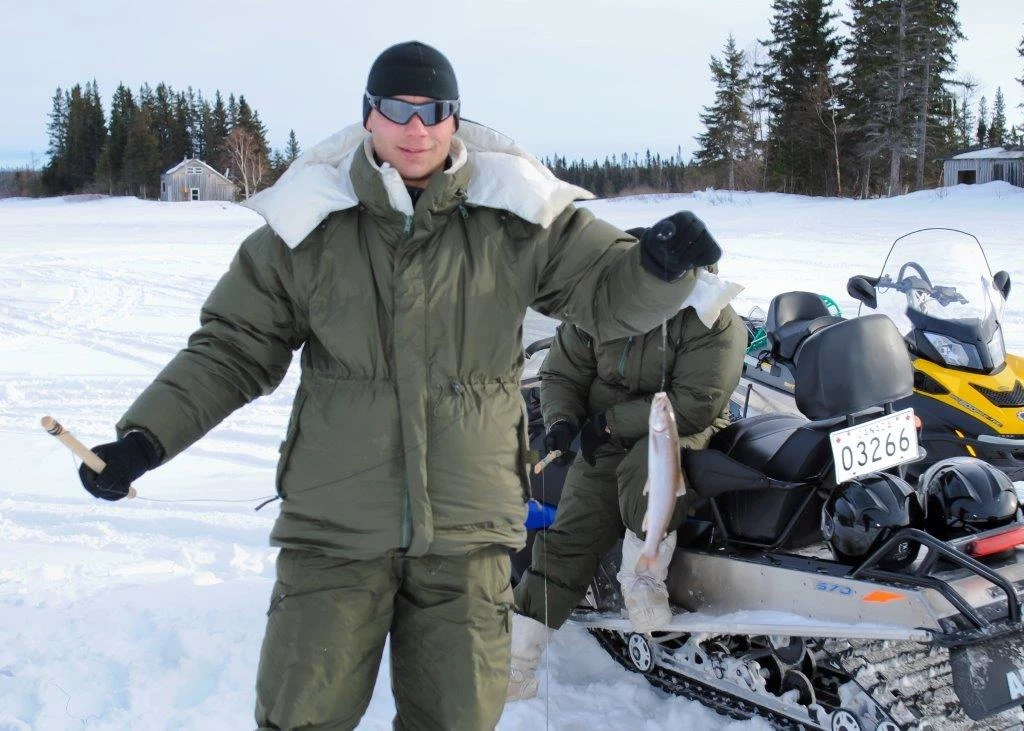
x: 65, y: 437
x: 552, y: 456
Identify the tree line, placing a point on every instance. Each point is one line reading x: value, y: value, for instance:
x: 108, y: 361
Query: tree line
x: 812, y: 112
x: 868, y: 114
x: 808, y: 111
x: 150, y: 131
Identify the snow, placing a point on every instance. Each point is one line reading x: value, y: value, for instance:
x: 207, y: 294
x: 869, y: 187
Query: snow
x: 149, y: 613
x: 989, y: 153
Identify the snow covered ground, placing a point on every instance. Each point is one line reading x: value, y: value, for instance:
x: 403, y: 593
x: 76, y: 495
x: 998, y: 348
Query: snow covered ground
x: 148, y: 614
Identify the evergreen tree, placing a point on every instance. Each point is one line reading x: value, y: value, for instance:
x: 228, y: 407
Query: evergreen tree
x: 162, y: 114
x: 729, y: 135
x: 250, y: 121
x: 86, y: 132
x: 293, y: 150
x: 982, y: 133
x: 142, y: 165
x: 898, y: 55
x: 232, y: 118
x: 55, y: 172
x: 997, y: 130
x: 122, y: 112
x: 215, y: 132
x: 181, y: 129
x: 801, y: 53
x: 935, y: 29
x: 965, y: 112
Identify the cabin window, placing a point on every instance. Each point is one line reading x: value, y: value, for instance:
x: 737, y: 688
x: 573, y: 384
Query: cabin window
x: 195, y: 194
x: 967, y: 177
x: 163, y: 187
x: 193, y: 170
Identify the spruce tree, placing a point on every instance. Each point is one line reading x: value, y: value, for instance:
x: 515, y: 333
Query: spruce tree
x: 215, y: 131
x: 729, y: 135
x: 122, y: 112
x: 997, y: 130
x: 801, y: 52
x: 162, y: 113
x: 181, y: 129
x: 293, y: 150
x: 982, y: 133
x: 55, y: 172
x: 897, y: 57
x: 142, y: 165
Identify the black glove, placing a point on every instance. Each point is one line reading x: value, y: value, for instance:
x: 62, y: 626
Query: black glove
x: 127, y: 460
x: 560, y: 437
x: 594, y: 434
x: 676, y: 244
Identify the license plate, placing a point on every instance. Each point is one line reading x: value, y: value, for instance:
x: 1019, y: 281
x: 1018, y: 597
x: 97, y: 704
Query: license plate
x: 874, y: 445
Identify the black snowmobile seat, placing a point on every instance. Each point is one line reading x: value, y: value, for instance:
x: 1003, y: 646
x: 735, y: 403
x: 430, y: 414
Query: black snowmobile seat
x: 791, y: 318
x: 781, y: 446
x: 841, y: 371
x: 852, y: 366
x: 763, y: 473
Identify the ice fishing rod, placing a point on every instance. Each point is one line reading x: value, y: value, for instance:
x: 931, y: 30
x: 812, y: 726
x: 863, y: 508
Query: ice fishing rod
x: 97, y: 465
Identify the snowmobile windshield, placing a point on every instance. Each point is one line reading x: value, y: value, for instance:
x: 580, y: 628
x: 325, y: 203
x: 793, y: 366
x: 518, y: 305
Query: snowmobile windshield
x: 937, y: 282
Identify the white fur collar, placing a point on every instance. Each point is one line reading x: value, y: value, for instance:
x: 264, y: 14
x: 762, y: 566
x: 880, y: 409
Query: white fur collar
x: 504, y: 176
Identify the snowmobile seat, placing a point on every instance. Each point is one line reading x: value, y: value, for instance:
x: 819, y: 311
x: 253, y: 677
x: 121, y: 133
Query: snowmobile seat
x: 792, y: 317
x: 783, y: 447
x: 766, y: 476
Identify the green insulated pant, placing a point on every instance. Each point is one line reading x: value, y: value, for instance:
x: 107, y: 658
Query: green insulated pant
x: 597, y: 503
x: 448, y: 619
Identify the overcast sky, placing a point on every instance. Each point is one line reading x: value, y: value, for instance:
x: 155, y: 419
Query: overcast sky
x: 575, y: 77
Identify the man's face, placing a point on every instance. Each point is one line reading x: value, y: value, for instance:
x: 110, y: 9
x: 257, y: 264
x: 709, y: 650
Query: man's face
x: 413, y: 149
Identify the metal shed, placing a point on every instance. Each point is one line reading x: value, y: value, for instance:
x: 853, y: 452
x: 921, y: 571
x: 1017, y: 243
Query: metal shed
x: 194, y: 180
x: 984, y: 166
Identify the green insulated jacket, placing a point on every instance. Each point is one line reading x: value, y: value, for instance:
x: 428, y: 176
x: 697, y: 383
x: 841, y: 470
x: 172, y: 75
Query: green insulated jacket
x: 581, y: 377
x: 407, y: 429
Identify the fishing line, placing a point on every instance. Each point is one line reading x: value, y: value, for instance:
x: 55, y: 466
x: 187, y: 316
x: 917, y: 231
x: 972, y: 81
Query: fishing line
x: 664, y: 232
x: 547, y: 634
x: 266, y: 500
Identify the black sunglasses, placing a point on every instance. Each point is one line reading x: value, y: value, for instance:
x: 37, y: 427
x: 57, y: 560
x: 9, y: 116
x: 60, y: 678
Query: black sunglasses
x: 400, y: 112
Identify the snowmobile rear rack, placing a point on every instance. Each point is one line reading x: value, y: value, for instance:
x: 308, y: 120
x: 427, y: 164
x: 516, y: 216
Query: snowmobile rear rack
x: 921, y: 576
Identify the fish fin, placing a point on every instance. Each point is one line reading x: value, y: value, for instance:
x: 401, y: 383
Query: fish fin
x: 643, y: 526
x: 647, y: 486
x: 680, y: 485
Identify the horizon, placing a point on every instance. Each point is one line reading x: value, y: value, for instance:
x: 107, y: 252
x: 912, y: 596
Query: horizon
x: 607, y: 85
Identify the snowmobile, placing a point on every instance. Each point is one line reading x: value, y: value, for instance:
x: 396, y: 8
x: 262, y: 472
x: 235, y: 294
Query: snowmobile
x: 811, y: 588
x: 937, y: 288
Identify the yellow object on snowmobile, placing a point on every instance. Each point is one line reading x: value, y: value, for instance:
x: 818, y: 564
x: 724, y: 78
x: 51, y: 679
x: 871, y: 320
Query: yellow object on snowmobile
x: 995, y: 399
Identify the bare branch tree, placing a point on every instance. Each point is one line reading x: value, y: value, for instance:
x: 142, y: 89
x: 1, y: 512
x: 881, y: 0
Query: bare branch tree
x: 248, y: 163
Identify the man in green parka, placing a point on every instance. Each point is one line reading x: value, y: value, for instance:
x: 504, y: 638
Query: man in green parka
x: 400, y: 255
x: 603, y: 392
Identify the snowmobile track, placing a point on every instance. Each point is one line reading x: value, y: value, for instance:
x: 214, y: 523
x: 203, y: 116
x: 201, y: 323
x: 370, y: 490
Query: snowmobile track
x: 910, y: 681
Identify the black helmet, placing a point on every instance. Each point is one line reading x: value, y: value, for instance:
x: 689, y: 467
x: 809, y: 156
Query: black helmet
x: 966, y: 495
x: 863, y: 513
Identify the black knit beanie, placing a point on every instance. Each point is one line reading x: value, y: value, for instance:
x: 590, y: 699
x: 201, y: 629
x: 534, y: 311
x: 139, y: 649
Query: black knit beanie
x: 411, y: 68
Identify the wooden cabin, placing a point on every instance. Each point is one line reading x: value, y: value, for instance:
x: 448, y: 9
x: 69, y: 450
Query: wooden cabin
x: 194, y: 180
x: 984, y: 166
